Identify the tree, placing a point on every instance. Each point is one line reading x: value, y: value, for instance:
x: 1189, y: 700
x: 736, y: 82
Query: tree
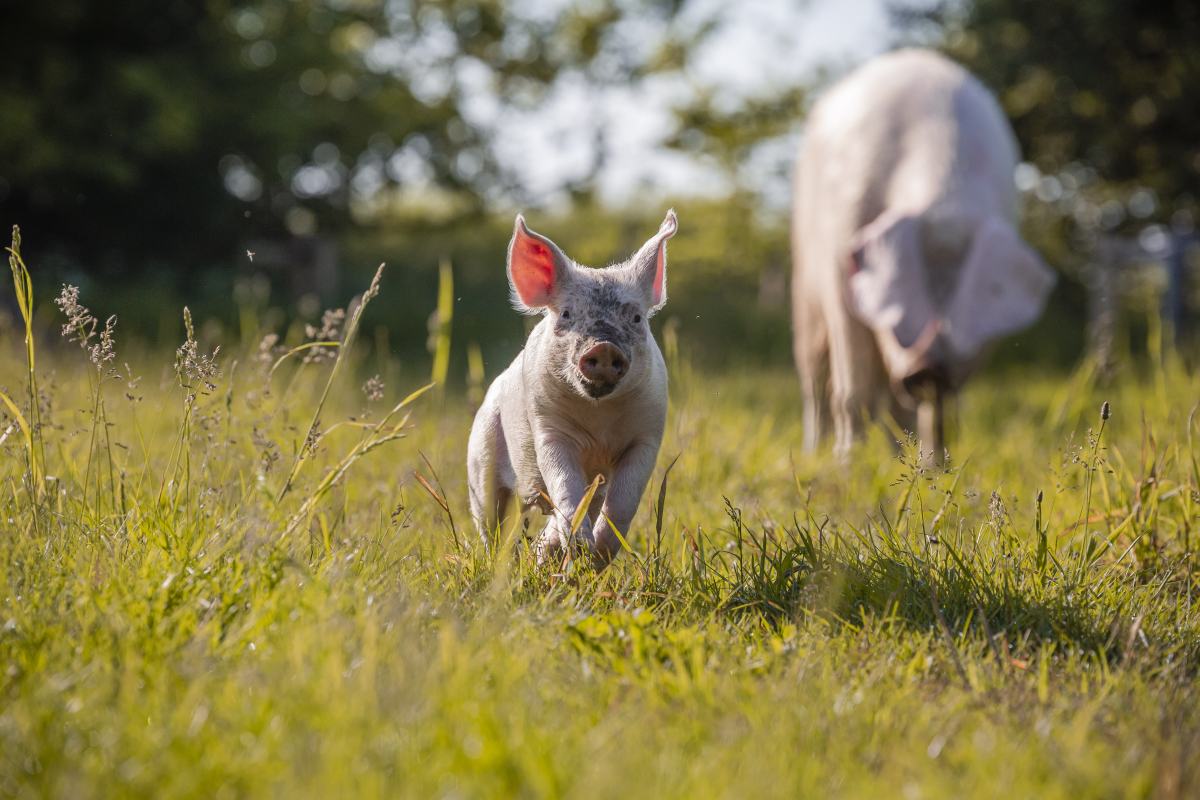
x: 159, y: 133
x: 1102, y: 97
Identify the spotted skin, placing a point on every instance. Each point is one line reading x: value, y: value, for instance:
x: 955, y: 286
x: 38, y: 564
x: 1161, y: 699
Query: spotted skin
x: 592, y: 312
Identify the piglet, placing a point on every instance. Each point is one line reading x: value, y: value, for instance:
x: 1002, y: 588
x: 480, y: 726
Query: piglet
x: 586, y: 397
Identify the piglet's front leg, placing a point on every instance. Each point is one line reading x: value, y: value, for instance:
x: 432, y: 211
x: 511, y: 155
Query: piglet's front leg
x: 625, y: 488
x: 562, y: 472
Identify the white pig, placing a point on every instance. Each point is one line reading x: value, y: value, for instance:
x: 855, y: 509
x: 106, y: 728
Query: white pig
x: 587, y: 396
x: 906, y: 258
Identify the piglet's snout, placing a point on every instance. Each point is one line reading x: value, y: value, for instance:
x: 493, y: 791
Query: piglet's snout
x: 604, y: 364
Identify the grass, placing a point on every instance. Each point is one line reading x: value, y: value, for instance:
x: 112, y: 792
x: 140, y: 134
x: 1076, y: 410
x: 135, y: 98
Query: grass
x: 242, y: 577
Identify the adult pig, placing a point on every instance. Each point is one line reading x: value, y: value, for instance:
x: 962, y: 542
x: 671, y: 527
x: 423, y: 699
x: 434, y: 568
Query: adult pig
x: 906, y: 259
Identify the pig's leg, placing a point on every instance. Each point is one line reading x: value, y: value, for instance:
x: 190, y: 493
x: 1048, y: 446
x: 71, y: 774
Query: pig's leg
x: 905, y: 415
x: 490, y: 476
x: 625, y: 488
x: 930, y: 428
x: 811, y: 344
x: 559, y: 464
x: 930, y: 410
x: 854, y: 377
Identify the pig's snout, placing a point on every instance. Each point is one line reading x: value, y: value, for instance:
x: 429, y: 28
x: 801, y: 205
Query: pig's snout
x: 924, y: 375
x: 602, y: 368
x: 927, y: 368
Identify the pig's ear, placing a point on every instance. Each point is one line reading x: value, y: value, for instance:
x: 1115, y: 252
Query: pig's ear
x: 649, y: 265
x: 1001, y: 290
x: 537, y: 269
x: 887, y: 284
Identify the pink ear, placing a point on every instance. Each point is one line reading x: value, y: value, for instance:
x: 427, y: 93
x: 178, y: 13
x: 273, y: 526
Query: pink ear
x: 1002, y: 289
x: 534, y: 264
x: 886, y: 283
x: 665, y: 231
x: 649, y: 264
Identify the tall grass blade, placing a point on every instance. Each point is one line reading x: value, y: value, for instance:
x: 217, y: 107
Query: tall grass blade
x: 581, y: 511
x: 443, y: 323
x: 343, y: 354
x: 23, y: 288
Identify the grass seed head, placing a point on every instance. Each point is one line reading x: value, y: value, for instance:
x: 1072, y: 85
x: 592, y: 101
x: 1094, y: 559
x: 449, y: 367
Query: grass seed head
x: 330, y: 330
x: 373, y: 389
x: 105, y: 350
x: 267, y: 348
x: 80, y: 326
x: 192, y: 366
x: 312, y: 439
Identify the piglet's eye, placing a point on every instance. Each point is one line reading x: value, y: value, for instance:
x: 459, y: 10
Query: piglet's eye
x: 566, y: 314
x: 637, y: 318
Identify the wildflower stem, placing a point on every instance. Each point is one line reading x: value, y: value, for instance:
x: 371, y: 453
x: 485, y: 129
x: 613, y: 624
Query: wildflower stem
x: 342, y: 355
x: 1089, y: 479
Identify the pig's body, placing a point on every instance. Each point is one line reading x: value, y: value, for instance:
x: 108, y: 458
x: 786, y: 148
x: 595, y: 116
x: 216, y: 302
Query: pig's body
x: 580, y: 438
x: 909, y: 137
x: 541, y: 441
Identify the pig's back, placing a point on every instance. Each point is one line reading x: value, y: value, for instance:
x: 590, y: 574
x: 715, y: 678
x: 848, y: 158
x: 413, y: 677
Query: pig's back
x: 911, y: 131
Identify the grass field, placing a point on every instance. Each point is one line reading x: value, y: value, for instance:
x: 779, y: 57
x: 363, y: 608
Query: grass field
x: 204, y: 594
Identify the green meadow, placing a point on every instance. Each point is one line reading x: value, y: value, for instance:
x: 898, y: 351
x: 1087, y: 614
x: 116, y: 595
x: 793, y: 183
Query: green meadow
x: 251, y: 572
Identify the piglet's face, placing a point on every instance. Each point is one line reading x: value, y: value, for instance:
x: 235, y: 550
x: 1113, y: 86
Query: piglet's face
x: 599, y: 318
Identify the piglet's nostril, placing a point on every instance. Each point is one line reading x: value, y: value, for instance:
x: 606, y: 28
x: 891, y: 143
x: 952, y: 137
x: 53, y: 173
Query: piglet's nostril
x: 603, y: 364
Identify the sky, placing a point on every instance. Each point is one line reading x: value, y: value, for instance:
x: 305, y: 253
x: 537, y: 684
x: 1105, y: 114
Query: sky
x: 763, y: 45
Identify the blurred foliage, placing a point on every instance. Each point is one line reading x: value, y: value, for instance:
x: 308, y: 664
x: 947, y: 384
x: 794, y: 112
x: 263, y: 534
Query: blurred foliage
x: 725, y: 278
x: 1102, y: 97
x: 155, y: 141
x: 728, y: 302
x: 708, y: 128
x: 152, y: 135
